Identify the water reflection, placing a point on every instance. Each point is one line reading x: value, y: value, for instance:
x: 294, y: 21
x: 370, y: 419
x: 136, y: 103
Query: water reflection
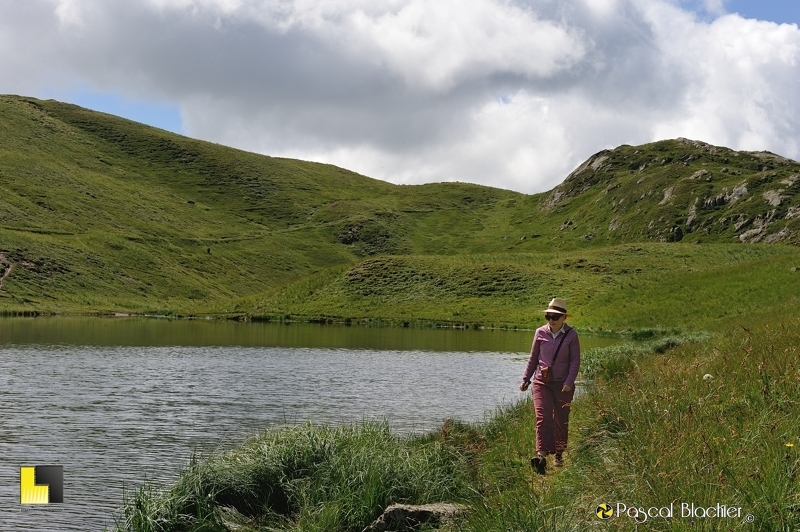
x: 165, y: 332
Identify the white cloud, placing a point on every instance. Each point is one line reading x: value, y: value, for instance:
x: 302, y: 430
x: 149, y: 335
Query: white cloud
x: 509, y: 93
x: 502, y: 141
x: 438, y: 45
x: 743, y: 77
x: 428, y: 44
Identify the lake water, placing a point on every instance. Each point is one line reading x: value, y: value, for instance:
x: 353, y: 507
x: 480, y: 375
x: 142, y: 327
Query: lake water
x: 120, y: 401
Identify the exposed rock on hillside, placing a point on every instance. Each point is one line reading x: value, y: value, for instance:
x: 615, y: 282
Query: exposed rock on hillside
x: 580, y: 180
x: 674, y: 189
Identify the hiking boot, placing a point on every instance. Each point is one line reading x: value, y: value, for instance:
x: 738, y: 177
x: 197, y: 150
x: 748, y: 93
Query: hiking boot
x: 559, y: 461
x: 539, y: 465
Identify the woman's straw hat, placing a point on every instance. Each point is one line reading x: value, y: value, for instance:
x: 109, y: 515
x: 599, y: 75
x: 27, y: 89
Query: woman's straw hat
x: 556, y: 306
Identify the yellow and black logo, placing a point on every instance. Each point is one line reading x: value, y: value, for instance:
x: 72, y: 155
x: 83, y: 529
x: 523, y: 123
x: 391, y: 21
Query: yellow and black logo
x: 41, y: 484
x: 604, y: 511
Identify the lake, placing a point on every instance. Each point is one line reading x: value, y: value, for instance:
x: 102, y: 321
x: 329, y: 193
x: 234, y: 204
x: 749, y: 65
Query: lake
x: 120, y: 401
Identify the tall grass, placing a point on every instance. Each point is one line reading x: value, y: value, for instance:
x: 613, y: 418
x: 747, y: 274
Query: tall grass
x: 708, y: 422
x: 301, y: 478
x: 618, y: 360
x: 715, y: 422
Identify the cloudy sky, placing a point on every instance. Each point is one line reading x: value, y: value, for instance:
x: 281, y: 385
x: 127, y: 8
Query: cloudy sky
x: 507, y: 93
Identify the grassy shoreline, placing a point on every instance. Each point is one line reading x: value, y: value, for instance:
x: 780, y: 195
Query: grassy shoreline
x: 650, y: 431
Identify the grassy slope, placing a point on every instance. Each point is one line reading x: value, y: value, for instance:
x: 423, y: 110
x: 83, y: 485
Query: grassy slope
x: 570, y: 242
x: 100, y: 214
x: 615, y: 287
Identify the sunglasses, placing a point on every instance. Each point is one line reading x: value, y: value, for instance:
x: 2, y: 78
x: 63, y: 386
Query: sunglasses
x: 553, y: 317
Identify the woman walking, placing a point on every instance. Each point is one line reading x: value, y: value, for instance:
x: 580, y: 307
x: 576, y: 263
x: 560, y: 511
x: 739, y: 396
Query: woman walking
x: 553, y: 366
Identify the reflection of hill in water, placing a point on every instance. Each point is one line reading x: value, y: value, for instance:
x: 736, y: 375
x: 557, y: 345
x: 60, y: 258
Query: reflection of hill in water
x: 163, y: 332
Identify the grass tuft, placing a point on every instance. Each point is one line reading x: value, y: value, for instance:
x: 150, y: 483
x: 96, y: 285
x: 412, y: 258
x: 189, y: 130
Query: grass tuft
x: 306, y: 478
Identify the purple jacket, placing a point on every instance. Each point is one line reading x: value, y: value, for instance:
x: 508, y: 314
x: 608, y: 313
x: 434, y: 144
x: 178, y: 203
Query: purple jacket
x: 543, y: 349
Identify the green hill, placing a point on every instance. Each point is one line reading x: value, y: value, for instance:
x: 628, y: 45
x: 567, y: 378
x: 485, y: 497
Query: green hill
x: 99, y: 214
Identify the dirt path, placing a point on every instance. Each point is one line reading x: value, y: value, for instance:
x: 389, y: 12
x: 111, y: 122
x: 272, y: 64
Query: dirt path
x: 8, y: 271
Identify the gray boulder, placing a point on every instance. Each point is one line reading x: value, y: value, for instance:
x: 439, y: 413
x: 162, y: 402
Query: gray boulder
x: 406, y: 517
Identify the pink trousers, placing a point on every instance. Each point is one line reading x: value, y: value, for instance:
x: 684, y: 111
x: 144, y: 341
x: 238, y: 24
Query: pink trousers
x: 552, y: 416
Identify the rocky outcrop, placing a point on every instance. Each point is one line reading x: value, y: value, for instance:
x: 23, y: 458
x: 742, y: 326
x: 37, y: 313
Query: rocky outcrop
x: 769, y: 157
x: 673, y: 189
x: 704, y: 146
x: 406, y: 517
x: 580, y: 180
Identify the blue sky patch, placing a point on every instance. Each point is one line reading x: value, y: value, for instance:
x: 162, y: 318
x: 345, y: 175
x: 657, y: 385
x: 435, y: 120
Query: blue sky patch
x: 780, y: 11
x: 157, y: 114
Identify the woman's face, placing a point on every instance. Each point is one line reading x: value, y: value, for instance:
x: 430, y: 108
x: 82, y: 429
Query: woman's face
x: 555, y: 320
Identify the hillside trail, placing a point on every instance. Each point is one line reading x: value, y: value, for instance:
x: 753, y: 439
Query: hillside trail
x: 6, y: 274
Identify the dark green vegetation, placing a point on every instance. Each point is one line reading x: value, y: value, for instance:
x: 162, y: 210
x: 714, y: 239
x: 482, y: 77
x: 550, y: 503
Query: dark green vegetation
x: 99, y: 214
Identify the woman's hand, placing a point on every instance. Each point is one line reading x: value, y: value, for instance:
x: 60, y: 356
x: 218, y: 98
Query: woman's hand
x: 524, y: 386
x: 565, y: 389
